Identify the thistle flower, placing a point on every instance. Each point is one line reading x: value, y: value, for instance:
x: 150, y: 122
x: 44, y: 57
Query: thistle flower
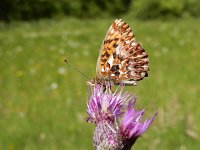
x: 117, y: 123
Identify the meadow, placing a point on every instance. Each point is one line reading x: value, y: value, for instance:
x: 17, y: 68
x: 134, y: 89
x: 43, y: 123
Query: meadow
x: 43, y: 100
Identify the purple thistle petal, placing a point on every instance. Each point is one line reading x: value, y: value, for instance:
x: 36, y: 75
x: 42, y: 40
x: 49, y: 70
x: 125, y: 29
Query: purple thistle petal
x: 131, y: 127
x: 105, y: 105
x: 146, y: 125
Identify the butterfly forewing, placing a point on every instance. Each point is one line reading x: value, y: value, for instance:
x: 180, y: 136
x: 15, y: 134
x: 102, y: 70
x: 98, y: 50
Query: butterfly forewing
x: 121, y: 59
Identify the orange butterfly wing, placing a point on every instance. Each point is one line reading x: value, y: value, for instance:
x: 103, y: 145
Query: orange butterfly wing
x: 121, y: 59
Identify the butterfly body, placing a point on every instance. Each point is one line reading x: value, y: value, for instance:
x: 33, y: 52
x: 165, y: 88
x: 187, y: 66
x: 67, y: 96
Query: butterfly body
x: 121, y: 59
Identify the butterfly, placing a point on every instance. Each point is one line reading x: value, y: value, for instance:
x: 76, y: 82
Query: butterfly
x: 121, y: 59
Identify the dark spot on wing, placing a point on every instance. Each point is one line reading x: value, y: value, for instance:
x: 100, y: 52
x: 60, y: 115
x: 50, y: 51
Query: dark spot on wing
x: 103, y: 60
x: 114, y: 68
x: 136, y: 60
x: 107, y: 48
x: 107, y: 41
x: 114, y: 55
x: 131, y: 52
x: 117, y: 73
x: 115, y: 45
x: 116, y: 39
x: 106, y: 54
x: 107, y: 65
x: 136, y: 66
x: 146, y: 74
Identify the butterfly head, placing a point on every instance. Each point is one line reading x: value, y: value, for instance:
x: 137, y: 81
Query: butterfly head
x: 94, y: 81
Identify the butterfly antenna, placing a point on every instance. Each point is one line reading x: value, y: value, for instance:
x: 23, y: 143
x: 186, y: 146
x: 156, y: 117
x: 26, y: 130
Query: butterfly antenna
x: 76, y: 69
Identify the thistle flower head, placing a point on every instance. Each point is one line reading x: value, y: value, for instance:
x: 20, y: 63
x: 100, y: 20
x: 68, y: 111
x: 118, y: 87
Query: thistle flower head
x: 105, y: 105
x: 131, y: 126
x: 118, y: 123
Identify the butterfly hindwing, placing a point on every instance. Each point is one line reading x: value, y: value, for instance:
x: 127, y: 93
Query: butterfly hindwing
x: 121, y: 59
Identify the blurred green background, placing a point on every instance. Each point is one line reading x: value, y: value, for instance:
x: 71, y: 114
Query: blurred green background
x: 43, y: 100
